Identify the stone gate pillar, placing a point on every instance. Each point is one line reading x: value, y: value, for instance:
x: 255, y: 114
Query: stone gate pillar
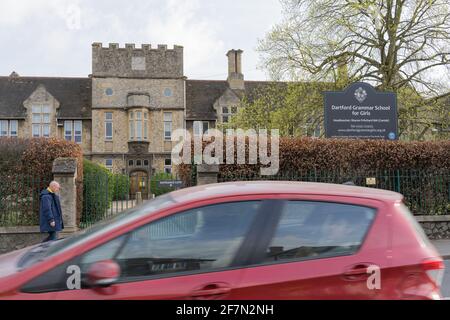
x: 207, y: 174
x: 65, y: 173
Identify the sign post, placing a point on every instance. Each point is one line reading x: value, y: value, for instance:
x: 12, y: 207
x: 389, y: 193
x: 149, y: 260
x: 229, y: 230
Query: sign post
x: 360, y: 112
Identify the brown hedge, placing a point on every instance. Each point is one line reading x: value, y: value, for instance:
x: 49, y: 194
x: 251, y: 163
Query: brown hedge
x: 34, y: 158
x: 302, y: 154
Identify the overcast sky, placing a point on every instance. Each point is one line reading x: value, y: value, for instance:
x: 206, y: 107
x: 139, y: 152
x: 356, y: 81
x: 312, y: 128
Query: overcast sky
x: 54, y: 37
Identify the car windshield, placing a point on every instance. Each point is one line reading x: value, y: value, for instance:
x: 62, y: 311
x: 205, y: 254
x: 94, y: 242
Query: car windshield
x: 45, y: 250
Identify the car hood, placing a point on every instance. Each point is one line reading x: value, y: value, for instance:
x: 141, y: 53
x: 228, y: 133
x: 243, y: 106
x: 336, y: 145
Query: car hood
x: 9, y: 261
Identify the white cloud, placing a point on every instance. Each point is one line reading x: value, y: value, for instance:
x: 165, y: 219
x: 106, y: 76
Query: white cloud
x: 47, y: 34
x: 183, y: 24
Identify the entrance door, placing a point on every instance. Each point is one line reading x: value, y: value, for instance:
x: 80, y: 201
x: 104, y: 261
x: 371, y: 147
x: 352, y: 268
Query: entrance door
x: 139, y: 183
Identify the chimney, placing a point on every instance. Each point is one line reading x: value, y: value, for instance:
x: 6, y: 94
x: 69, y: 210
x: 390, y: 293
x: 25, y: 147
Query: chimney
x: 235, y: 76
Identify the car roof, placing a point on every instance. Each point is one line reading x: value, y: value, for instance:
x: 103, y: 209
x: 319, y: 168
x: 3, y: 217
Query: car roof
x: 281, y: 187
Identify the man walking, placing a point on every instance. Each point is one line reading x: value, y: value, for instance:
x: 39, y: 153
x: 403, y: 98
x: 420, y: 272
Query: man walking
x: 51, y: 220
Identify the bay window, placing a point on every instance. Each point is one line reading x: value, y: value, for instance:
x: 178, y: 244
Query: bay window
x: 138, y: 125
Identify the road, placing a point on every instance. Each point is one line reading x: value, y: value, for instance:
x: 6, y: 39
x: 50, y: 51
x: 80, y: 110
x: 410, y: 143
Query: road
x: 446, y: 284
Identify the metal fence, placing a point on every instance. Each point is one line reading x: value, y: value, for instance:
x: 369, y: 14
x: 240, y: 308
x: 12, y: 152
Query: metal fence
x: 427, y: 192
x: 105, y: 197
x: 19, y: 199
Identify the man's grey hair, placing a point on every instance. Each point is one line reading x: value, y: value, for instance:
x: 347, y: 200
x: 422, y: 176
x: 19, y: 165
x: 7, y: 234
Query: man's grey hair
x: 54, y: 184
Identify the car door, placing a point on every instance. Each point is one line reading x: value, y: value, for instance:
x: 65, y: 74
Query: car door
x: 187, y: 255
x: 320, y: 249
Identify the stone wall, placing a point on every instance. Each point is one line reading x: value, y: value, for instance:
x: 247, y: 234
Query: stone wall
x: 16, y: 238
x: 119, y: 90
x: 436, y: 227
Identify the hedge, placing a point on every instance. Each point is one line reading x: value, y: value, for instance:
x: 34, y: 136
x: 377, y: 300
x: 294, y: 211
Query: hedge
x: 97, y: 192
x: 303, y: 154
x: 26, y: 169
x: 155, y: 189
x: 419, y: 170
x: 121, y: 186
x: 101, y: 187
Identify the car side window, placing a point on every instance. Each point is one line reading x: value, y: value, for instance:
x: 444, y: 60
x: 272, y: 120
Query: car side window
x: 312, y: 230
x: 201, y: 239
x: 205, y: 238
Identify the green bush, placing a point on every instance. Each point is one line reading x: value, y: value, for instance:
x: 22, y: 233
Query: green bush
x: 121, y: 186
x: 155, y: 189
x: 98, y: 192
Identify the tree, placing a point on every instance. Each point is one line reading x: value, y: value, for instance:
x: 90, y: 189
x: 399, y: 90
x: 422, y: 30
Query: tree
x: 396, y: 45
x: 293, y: 108
x: 393, y: 43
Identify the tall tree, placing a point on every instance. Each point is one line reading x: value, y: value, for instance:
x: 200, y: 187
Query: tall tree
x: 397, y: 45
x: 393, y: 43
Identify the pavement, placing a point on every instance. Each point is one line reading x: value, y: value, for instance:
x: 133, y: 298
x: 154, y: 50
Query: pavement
x: 443, y: 247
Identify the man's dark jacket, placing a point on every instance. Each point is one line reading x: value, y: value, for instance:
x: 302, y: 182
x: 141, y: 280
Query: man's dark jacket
x: 50, y: 210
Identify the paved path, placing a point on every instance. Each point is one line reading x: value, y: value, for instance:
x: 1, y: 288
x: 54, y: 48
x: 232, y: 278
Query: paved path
x: 443, y: 246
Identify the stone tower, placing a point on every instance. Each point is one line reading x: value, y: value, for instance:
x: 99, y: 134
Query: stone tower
x: 141, y: 92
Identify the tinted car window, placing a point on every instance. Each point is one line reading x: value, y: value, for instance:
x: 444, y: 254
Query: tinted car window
x: 149, y: 208
x: 205, y: 238
x: 309, y: 230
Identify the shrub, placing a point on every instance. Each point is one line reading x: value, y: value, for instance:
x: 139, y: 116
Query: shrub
x: 305, y: 154
x: 121, y: 186
x: 98, y: 192
x: 155, y: 189
x: 26, y: 169
x: 419, y: 170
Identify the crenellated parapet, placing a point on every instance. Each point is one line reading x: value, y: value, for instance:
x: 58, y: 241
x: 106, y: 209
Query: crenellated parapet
x: 131, y: 61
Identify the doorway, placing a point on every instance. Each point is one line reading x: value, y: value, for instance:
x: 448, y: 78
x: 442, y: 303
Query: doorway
x: 139, y: 183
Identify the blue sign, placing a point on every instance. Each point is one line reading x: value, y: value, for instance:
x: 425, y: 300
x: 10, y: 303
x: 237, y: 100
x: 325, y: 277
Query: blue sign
x: 361, y: 112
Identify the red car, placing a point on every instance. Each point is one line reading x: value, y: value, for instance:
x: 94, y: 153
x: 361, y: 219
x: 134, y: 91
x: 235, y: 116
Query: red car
x: 244, y: 240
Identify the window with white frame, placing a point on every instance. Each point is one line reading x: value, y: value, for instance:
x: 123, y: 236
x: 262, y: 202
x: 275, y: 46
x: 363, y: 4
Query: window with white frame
x: 201, y: 127
x: 108, y: 126
x: 40, y: 121
x: 73, y: 131
x: 9, y: 128
x: 167, y: 126
x: 227, y: 113
x: 109, y: 164
x: 138, y: 125
x: 168, y: 165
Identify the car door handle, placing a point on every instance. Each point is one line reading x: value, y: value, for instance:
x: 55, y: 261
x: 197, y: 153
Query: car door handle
x: 357, y: 272
x: 212, y: 291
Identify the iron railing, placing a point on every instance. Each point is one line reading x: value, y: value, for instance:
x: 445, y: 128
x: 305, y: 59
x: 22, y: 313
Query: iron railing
x: 426, y: 192
x: 19, y: 199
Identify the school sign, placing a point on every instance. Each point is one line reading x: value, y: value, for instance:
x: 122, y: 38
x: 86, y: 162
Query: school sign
x: 360, y: 112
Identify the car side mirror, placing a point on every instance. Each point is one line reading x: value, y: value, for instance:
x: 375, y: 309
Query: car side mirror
x: 103, y: 274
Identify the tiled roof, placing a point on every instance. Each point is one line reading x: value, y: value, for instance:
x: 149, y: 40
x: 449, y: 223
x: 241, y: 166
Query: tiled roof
x: 73, y: 94
x: 202, y: 94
